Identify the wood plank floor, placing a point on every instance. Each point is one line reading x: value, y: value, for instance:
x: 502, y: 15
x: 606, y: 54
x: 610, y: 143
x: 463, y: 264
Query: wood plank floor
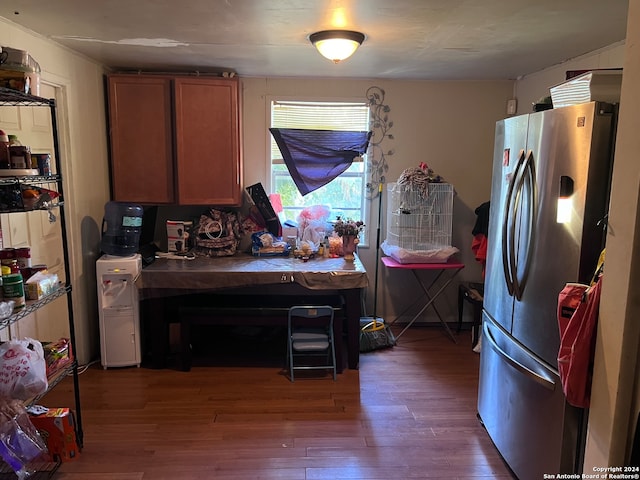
x: 408, y: 412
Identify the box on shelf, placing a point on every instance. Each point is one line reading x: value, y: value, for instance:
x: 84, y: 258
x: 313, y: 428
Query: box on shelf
x: 57, y: 427
x: 57, y: 355
x: 41, y: 284
x: 178, y: 235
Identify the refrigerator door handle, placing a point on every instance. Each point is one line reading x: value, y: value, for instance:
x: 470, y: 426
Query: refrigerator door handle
x: 508, y: 229
x: 545, y: 381
x: 528, y: 177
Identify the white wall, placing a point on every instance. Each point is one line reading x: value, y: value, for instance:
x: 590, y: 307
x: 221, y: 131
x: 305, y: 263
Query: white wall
x: 81, y: 115
x: 531, y: 88
x: 615, y: 392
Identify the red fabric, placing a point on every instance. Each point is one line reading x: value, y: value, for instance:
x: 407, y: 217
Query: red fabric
x: 479, y: 247
x: 577, y: 319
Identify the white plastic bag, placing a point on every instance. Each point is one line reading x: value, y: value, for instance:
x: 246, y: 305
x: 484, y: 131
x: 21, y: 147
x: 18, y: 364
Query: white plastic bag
x: 402, y: 255
x: 23, y: 370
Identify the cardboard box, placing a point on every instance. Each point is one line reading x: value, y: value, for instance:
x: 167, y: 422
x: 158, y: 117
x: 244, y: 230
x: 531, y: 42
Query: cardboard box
x: 289, y: 232
x: 178, y: 235
x: 57, y: 427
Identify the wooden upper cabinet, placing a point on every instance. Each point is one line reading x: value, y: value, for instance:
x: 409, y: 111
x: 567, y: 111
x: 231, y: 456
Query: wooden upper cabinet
x: 183, y: 135
x: 207, y: 141
x: 141, y: 135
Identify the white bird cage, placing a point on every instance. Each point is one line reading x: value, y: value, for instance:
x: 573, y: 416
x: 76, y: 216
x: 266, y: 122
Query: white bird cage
x: 420, y: 219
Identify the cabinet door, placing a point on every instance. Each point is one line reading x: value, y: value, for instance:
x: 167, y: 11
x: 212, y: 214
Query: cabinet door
x: 207, y: 141
x: 141, y: 136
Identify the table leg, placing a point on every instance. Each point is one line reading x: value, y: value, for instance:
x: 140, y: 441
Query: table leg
x: 159, y: 330
x: 353, y: 314
x: 417, y: 299
x: 431, y: 302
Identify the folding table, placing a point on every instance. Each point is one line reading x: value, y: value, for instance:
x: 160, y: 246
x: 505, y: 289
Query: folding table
x: 452, y: 267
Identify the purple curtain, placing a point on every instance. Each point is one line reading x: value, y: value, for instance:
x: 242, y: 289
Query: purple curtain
x: 315, y: 157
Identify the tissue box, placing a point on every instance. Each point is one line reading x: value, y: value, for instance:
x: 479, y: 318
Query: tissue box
x: 40, y: 284
x: 178, y: 235
x: 57, y: 427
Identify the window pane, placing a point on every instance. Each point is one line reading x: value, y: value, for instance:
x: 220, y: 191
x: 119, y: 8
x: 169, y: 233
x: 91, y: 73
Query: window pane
x: 345, y: 195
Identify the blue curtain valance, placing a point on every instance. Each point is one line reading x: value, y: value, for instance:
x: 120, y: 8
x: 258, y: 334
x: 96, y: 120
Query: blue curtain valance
x: 315, y: 157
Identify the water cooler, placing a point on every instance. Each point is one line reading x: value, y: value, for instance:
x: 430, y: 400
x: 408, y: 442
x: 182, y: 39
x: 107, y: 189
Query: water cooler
x: 119, y: 310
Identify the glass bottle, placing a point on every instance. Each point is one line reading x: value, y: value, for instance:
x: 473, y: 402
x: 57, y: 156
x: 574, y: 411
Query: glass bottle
x: 4, y: 150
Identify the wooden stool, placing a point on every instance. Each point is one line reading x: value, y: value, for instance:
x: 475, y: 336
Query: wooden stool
x: 472, y: 293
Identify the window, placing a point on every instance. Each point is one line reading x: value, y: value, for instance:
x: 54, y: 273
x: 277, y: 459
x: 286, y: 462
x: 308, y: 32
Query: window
x: 345, y: 195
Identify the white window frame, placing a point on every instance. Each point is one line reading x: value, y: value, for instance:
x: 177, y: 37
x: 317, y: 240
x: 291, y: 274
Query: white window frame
x: 365, y: 238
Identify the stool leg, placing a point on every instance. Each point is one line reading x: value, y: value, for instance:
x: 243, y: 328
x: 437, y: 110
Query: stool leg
x: 477, y: 322
x: 461, y: 290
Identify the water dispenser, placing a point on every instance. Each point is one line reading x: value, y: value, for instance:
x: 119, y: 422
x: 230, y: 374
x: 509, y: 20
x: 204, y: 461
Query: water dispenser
x: 119, y: 310
x: 121, y: 228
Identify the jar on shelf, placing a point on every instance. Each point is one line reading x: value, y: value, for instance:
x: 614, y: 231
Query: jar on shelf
x: 23, y: 256
x: 4, y: 150
x: 11, y: 264
x: 19, y: 155
x: 13, y: 289
x: 8, y: 253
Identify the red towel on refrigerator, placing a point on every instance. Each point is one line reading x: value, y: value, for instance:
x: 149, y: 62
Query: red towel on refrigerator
x: 578, y: 306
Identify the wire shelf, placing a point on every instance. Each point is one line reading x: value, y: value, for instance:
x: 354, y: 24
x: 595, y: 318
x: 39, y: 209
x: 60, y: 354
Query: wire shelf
x: 33, y: 305
x: 9, y: 97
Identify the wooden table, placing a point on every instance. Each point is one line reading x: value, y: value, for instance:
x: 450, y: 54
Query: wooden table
x: 248, y: 275
x: 452, y: 266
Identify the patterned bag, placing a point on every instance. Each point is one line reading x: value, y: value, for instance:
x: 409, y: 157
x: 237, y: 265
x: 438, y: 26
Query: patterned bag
x: 217, y: 234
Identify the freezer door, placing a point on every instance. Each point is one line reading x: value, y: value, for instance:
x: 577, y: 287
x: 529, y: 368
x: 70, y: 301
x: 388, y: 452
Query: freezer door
x: 522, y: 407
x: 509, y: 154
x: 562, y: 144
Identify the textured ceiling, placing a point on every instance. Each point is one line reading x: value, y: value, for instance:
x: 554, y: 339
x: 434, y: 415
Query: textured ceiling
x: 405, y: 39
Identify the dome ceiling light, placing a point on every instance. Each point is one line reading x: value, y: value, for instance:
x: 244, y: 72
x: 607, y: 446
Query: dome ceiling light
x: 336, y: 45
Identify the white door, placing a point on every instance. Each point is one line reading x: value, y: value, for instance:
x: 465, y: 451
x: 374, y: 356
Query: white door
x: 33, y: 127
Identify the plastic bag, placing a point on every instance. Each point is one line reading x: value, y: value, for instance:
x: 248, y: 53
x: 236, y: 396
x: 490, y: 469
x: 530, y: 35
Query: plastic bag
x: 23, y: 370
x: 402, y: 255
x: 20, y: 442
x: 313, y: 223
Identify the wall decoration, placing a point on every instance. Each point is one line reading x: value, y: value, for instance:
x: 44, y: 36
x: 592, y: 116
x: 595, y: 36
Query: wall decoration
x: 378, y: 154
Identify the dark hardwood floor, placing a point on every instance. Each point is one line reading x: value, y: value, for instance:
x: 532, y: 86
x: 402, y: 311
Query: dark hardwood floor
x: 408, y: 412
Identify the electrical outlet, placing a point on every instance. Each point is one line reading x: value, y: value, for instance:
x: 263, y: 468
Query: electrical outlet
x: 512, y: 106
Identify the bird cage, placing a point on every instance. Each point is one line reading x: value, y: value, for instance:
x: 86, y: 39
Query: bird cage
x: 420, y: 218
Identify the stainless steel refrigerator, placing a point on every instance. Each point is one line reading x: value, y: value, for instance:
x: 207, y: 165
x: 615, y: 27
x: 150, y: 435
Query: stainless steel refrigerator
x: 538, y: 158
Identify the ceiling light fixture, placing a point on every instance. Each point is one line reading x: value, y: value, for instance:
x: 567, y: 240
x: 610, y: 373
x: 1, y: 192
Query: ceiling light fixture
x: 336, y: 45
